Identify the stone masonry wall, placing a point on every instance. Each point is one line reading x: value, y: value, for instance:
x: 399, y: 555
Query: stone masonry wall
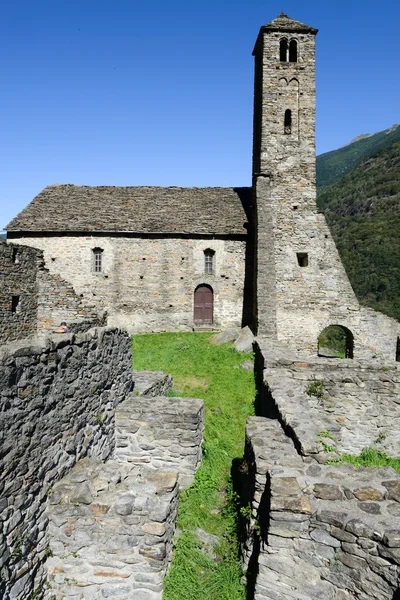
x: 34, y: 301
x: 18, y: 271
x: 110, y: 531
x: 148, y: 284
x: 163, y: 433
x: 359, y: 407
x: 318, y: 531
x: 58, y: 397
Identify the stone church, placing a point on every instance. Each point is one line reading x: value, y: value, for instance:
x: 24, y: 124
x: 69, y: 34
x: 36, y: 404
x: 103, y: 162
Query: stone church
x: 181, y: 258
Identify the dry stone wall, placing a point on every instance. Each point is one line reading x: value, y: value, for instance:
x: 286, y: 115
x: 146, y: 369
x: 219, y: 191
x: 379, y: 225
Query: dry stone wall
x: 18, y: 291
x: 148, y: 284
x: 110, y: 530
x: 34, y: 301
x: 111, y: 526
x: 358, y: 404
x: 164, y: 433
x: 58, y: 398
x: 318, y: 531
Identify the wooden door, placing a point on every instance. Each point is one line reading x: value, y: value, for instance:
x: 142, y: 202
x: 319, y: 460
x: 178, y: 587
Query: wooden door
x: 203, y: 304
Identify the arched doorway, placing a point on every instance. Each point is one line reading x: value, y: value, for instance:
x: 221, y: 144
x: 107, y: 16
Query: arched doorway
x: 336, y: 341
x: 203, y: 304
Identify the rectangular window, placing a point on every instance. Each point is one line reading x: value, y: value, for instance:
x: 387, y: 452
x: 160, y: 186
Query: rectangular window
x: 97, y: 260
x: 209, y: 262
x: 14, y: 303
x: 302, y: 259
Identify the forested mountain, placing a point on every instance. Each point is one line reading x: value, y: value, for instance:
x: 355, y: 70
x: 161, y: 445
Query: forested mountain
x: 332, y: 166
x: 362, y: 207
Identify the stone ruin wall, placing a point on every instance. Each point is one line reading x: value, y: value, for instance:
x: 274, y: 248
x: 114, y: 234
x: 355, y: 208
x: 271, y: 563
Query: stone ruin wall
x: 44, y: 299
x: 58, y: 398
x: 318, y: 531
x: 148, y: 284
x: 18, y: 272
x: 360, y: 403
x: 111, y: 525
x: 297, y: 303
x: 337, y: 524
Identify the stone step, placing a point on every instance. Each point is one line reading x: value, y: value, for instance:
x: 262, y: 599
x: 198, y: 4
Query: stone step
x: 151, y: 383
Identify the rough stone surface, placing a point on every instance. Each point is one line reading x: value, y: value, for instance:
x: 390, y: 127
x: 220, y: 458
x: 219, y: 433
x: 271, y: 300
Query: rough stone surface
x: 33, y: 301
x: 117, y: 543
x: 57, y: 402
x: 151, y: 383
x: 345, y: 551
x: 244, y: 341
x: 164, y: 433
x: 360, y: 406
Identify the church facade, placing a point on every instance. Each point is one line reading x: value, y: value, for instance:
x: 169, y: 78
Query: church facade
x: 180, y: 258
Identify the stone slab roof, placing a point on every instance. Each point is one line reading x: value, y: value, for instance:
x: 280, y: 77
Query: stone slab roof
x: 285, y: 23
x: 143, y: 210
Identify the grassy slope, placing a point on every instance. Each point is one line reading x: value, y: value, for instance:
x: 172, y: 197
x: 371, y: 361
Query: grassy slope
x: 206, y: 371
x: 363, y: 212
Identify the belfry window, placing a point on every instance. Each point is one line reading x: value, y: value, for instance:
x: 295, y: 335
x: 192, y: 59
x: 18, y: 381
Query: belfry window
x: 97, y: 260
x: 288, y: 122
x: 293, y: 51
x: 283, y: 50
x: 209, y: 265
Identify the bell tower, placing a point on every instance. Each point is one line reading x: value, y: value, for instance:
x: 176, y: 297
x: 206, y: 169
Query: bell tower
x: 283, y: 160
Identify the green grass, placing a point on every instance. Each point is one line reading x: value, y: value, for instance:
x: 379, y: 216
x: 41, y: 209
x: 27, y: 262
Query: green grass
x: 203, y: 370
x: 369, y: 457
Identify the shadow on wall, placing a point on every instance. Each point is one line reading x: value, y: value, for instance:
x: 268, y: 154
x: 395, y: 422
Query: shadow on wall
x: 336, y: 341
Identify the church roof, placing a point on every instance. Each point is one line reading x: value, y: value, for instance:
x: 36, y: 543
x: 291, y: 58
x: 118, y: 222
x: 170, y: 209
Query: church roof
x: 142, y: 210
x: 285, y: 23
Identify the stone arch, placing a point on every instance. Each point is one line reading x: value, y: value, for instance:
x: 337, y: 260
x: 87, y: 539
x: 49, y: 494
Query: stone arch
x: 203, y: 304
x: 294, y: 83
x: 336, y: 341
x: 283, y: 81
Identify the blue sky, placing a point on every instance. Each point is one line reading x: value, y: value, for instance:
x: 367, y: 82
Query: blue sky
x: 127, y: 92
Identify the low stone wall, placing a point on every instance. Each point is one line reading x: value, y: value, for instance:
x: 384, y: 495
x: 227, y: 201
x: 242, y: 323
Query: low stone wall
x: 318, y: 531
x: 110, y: 530
x: 359, y: 404
x: 163, y: 433
x: 57, y: 403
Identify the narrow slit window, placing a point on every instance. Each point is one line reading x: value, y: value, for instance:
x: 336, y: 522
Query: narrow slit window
x: 283, y: 50
x: 14, y: 304
x: 97, y: 260
x: 302, y: 259
x: 288, y: 122
x: 398, y: 350
x: 293, y: 51
x: 209, y: 265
